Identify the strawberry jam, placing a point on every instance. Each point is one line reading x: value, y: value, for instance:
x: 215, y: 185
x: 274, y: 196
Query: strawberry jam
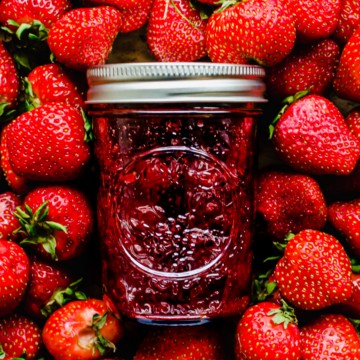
x: 175, y: 205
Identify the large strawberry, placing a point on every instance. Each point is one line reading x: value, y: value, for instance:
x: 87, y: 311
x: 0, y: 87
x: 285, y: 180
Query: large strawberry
x: 8, y: 222
x: 14, y: 275
x: 57, y: 220
x: 311, y: 136
x: 176, y: 31
x: 268, y: 331
x: 353, y: 121
x: 84, y: 36
x: 48, y: 143
x: 314, y: 272
x: 254, y: 30
x: 347, y: 78
x: 307, y: 67
x: 329, y: 337
x: 91, y: 330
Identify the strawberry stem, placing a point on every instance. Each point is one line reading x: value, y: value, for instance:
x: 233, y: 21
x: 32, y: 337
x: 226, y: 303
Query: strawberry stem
x: 285, y: 315
x: 101, y: 343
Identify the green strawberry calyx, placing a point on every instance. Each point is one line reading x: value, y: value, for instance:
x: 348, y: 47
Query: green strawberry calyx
x: 36, y: 229
x: 284, y: 315
x: 263, y: 288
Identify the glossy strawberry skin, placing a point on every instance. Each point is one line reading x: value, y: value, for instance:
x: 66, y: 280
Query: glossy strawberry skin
x: 170, y: 36
x: 307, y: 67
x: 20, y: 335
x: 312, y: 136
x: 14, y: 269
x: 84, y: 37
x: 8, y: 222
x: 328, y: 337
x: 48, y: 143
x: 315, y: 271
x: 266, y: 36
x: 353, y: 121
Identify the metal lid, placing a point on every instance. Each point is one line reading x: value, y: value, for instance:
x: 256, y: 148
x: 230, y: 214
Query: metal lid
x: 175, y: 83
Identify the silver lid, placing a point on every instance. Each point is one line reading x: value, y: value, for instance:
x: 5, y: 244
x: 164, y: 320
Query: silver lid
x: 175, y: 83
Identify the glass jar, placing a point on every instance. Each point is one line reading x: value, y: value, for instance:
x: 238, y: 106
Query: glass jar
x: 175, y: 148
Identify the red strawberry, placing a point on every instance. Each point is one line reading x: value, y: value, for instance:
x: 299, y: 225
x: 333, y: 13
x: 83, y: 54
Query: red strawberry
x: 353, y: 121
x: 58, y: 220
x: 176, y: 31
x: 173, y: 343
x: 14, y: 270
x: 307, y: 67
x: 51, y: 83
x: 26, y: 11
x: 267, y: 329
x: 9, y: 81
x: 50, y: 287
x: 253, y: 30
x: 315, y: 271
x: 328, y: 337
x: 347, y: 78
x: 288, y: 202
x: 345, y: 217
x: 91, y: 330
x: 315, y: 19
x: 349, y: 20
x: 311, y: 135
x: 8, y: 222
x: 84, y: 37
x: 47, y: 143
x: 19, y: 336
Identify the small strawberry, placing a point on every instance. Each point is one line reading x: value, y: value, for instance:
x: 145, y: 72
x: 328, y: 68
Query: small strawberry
x: 315, y: 271
x: 14, y: 270
x: 268, y: 331
x: 315, y: 19
x: 176, y: 31
x: 345, y: 217
x: 19, y: 337
x: 8, y: 222
x: 288, y: 202
x: 195, y: 343
x: 328, y: 337
x: 50, y: 287
x: 353, y: 121
x: 307, y: 67
x: 255, y: 30
x: 349, y: 20
x: 91, y: 330
x: 311, y: 136
x: 347, y: 78
x: 83, y: 37
x: 57, y: 220
x: 48, y: 143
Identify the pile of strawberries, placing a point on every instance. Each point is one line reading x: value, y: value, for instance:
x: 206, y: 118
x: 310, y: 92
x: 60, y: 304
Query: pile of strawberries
x: 306, y: 288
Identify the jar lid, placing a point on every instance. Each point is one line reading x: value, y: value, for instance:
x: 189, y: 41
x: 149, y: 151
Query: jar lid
x: 175, y: 82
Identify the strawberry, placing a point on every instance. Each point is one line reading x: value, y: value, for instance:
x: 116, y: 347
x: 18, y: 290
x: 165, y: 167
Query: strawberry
x: 48, y: 143
x: 346, y: 83
x: 8, y: 222
x: 26, y: 11
x: 315, y: 19
x: 288, y: 202
x: 52, y: 83
x: 328, y: 337
x: 57, y: 220
x: 176, y: 31
x: 311, y: 136
x: 349, y: 20
x: 9, y: 81
x: 353, y: 121
x: 14, y: 270
x: 315, y: 271
x: 268, y: 331
x: 307, y: 67
x: 173, y: 343
x: 19, y: 336
x: 254, y: 30
x: 345, y: 217
x: 84, y: 37
x: 50, y: 287
x: 91, y: 330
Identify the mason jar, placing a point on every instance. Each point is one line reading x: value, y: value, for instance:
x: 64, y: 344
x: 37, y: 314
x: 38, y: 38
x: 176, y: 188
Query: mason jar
x: 175, y: 146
